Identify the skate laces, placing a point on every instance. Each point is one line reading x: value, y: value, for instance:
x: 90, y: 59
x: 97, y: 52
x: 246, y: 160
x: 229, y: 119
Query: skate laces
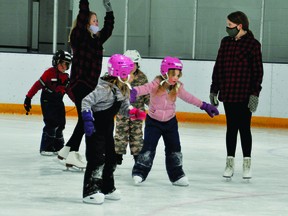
x: 229, y: 163
x: 246, y: 164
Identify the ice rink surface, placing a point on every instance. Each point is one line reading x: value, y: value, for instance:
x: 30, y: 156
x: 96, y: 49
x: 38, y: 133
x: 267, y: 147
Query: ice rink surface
x: 32, y: 184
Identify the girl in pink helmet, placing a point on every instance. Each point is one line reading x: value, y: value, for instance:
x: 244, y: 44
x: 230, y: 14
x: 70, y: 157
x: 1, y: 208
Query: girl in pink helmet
x: 161, y: 121
x: 99, y: 108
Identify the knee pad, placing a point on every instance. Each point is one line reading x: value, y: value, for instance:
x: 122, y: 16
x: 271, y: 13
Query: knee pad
x: 174, y: 158
x: 146, y: 158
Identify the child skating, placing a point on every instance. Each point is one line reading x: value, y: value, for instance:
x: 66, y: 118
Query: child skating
x: 161, y: 121
x: 54, y: 84
x: 98, y: 112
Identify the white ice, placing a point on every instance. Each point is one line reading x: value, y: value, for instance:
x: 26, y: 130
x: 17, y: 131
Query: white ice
x: 36, y: 185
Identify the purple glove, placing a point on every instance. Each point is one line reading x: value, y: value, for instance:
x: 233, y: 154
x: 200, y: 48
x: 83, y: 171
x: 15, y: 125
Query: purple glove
x: 133, y: 95
x: 88, y: 120
x: 211, y: 110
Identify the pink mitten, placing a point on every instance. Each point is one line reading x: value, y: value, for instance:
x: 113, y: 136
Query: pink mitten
x: 137, y: 114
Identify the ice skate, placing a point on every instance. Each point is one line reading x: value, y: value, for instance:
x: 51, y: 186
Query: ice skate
x: 182, y: 182
x: 97, y: 198
x: 74, y: 160
x: 229, y: 169
x: 47, y: 153
x: 115, y: 195
x: 247, y: 168
x: 137, y: 180
x: 46, y: 145
x: 63, y: 153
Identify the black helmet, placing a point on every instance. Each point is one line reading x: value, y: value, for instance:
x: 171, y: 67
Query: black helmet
x: 61, y: 55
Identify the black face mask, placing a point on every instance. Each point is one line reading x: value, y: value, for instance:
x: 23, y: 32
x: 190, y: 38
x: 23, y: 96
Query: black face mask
x: 232, y: 32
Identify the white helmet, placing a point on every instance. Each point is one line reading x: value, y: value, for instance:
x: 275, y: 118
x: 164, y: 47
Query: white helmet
x: 134, y: 55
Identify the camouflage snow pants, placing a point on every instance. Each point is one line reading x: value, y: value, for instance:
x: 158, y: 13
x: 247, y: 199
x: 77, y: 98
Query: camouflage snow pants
x: 128, y: 132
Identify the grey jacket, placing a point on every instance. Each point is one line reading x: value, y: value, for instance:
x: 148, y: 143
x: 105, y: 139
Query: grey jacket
x: 103, y: 98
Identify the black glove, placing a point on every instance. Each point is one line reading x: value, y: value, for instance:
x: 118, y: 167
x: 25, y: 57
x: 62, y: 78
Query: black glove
x: 27, y: 104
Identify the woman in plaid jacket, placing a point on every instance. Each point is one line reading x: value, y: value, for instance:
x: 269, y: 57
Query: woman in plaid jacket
x: 86, y: 41
x: 236, y: 81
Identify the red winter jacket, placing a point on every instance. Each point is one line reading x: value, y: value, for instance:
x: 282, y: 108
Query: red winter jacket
x: 52, y: 80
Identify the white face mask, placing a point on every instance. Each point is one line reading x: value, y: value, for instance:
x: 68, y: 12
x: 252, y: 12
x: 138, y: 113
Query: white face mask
x: 94, y: 29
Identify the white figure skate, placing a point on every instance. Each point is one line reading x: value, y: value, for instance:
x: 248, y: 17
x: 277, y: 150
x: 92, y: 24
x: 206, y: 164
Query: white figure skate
x: 97, y: 198
x: 115, y: 195
x: 63, y: 153
x: 183, y: 182
x: 247, y: 175
x: 74, y: 160
x: 229, y: 169
x: 137, y: 180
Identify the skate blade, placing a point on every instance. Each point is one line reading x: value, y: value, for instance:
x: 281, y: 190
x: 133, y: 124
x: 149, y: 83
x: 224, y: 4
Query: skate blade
x: 227, y: 178
x: 73, y: 168
x: 61, y: 162
x: 60, y: 158
x: 246, y: 179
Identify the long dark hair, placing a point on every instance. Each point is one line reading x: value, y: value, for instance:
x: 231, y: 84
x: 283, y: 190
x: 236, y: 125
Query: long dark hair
x: 238, y: 17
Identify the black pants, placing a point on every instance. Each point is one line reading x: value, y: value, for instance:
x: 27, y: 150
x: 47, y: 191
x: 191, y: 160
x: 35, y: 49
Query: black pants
x: 53, y: 111
x: 80, y: 91
x: 100, y: 154
x: 238, y: 117
x: 173, y: 157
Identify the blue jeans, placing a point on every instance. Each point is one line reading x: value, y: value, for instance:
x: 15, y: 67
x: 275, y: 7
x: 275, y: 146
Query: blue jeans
x: 153, y: 131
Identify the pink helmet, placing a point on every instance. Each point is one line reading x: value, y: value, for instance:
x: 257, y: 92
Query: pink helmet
x: 120, y: 66
x: 170, y: 63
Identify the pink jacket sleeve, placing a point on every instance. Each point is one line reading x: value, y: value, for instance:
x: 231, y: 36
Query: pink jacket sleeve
x: 187, y: 97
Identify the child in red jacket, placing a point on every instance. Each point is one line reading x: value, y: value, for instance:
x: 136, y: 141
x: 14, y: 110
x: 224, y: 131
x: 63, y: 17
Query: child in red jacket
x: 54, y: 83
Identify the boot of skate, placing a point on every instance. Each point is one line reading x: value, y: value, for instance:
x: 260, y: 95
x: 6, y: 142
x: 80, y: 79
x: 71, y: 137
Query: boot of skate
x: 97, y: 198
x: 115, y: 195
x: 63, y: 153
x: 229, y: 169
x: 247, y: 168
x: 46, y: 146
x: 137, y: 179
x: 182, y: 181
x: 75, y: 159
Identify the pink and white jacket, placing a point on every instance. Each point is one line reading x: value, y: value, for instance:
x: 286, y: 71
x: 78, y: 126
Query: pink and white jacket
x: 161, y: 107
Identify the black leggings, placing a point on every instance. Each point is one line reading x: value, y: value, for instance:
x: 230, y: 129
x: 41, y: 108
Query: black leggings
x: 80, y: 91
x: 238, y: 118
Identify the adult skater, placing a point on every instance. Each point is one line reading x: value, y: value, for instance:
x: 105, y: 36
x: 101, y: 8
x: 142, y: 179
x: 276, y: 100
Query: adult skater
x: 236, y: 81
x: 87, y: 44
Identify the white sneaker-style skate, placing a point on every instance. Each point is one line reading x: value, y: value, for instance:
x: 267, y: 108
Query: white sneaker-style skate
x: 137, y: 180
x: 63, y: 153
x: 229, y: 169
x: 181, y: 182
x: 74, y: 159
x: 97, y: 198
x: 247, y: 168
x: 115, y: 195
